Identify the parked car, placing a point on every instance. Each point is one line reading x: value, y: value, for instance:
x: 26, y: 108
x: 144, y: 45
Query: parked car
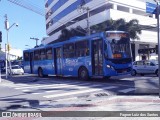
x: 143, y: 67
x: 16, y: 69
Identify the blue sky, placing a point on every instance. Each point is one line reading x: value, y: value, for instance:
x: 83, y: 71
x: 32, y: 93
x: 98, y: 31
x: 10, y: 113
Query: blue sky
x: 30, y: 24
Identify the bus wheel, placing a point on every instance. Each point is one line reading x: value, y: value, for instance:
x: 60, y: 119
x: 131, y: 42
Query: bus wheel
x: 83, y: 74
x: 157, y: 73
x: 40, y: 72
x: 133, y: 73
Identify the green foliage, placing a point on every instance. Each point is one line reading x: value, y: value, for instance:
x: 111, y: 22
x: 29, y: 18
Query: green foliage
x: 132, y: 27
x: 67, y: 34
x: 19, y: 58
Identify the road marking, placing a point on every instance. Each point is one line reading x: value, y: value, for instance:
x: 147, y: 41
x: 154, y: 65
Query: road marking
x: 82, y: 87
x: 36, y: 93
x: 54, y: 86
x: 26, y: 90
x: 78, y: 92
x: 30, y: 86
x: 127, y: 90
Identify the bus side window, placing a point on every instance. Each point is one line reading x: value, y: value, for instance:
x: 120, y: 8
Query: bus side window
x: 68, y: 50
x: 87, y: 51
x: 36, y: 55
x: 49, y: 54
x: 42, y: 54
x: 26, y: 56
x: 82, y: 48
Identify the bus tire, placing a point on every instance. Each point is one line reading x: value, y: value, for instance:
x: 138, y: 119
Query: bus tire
x: 133, y: 72
x: 40, y: 72
x: 157, y: 73
x: 83, y: 73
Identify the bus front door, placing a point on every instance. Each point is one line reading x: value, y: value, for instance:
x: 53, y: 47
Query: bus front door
x: 31, y: 62
x: 58, y: 61
x: 97, y: 57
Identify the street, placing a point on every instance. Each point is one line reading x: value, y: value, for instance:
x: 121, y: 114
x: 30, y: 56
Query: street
x: 30, y: 92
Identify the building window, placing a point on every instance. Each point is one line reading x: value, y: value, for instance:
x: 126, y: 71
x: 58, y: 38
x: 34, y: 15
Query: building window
x: 139, y: 12
x: 122, y: 8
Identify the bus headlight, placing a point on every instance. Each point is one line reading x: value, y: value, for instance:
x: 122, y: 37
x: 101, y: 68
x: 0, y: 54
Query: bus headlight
x: 109, y: 66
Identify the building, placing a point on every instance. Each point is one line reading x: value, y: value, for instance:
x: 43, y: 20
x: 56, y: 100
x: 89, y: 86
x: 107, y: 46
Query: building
x: 60, y: 13
x: 13, y: 54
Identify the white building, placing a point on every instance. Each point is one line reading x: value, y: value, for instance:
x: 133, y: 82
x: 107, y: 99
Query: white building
x: 59, y: 13
x: 13, y: 54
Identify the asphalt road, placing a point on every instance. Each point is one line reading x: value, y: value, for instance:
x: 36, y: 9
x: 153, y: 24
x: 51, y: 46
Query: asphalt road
x: 30, y: 91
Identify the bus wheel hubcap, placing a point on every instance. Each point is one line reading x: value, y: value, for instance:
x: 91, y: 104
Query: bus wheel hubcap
x: 83, y: 74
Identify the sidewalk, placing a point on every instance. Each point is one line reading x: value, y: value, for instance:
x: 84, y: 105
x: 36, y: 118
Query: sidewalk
x: 110, y: 107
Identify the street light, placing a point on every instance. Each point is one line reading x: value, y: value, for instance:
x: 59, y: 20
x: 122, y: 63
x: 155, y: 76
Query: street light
x: 28, y: 46
x: 7, y: 27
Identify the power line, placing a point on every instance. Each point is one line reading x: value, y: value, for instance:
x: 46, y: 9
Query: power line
x: 28, y: 6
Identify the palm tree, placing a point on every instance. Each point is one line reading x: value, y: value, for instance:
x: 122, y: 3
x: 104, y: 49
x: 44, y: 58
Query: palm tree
x: 132, y: 27
x: 65, y: 35
x: 68, y: 33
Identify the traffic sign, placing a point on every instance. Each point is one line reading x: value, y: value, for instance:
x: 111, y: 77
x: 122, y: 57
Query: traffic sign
x: 151, y: 8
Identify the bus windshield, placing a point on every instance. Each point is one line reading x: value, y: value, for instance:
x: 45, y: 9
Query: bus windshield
x: 118, y: 45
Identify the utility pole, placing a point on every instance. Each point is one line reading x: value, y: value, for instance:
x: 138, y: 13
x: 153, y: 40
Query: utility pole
x: 82, y: 8
x: 158, y: 32
x: 6, y: 51
x: 7, y: 47
x: 158, y: 43
x: 36, y: 41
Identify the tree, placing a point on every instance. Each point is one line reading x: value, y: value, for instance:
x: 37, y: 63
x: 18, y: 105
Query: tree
x: 132, y: 27
x: 19, y: 58
x: 67, y: 34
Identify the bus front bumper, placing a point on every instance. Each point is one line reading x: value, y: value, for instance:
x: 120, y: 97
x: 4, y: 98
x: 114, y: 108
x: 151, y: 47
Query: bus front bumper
x: 116, y: 72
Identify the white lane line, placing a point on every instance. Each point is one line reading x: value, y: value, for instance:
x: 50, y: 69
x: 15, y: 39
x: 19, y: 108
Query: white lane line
x: 26, y: 90
x: 82, y: 87
x: 78, y: 92
x: 52, y: 86
x: 33, y: 86
x: 35, y: 93
x: 127, y: 90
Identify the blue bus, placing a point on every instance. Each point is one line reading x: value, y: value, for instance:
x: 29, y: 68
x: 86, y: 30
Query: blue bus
x: 103, y: 54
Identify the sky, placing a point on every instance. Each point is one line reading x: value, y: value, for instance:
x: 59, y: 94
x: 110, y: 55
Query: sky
x: 30, y: 24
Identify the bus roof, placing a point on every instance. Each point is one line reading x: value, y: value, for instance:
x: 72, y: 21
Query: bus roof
x: 73, y: 39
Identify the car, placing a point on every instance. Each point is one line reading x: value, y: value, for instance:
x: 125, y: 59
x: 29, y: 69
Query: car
x: 16, y: 69
x: 143, y: 67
